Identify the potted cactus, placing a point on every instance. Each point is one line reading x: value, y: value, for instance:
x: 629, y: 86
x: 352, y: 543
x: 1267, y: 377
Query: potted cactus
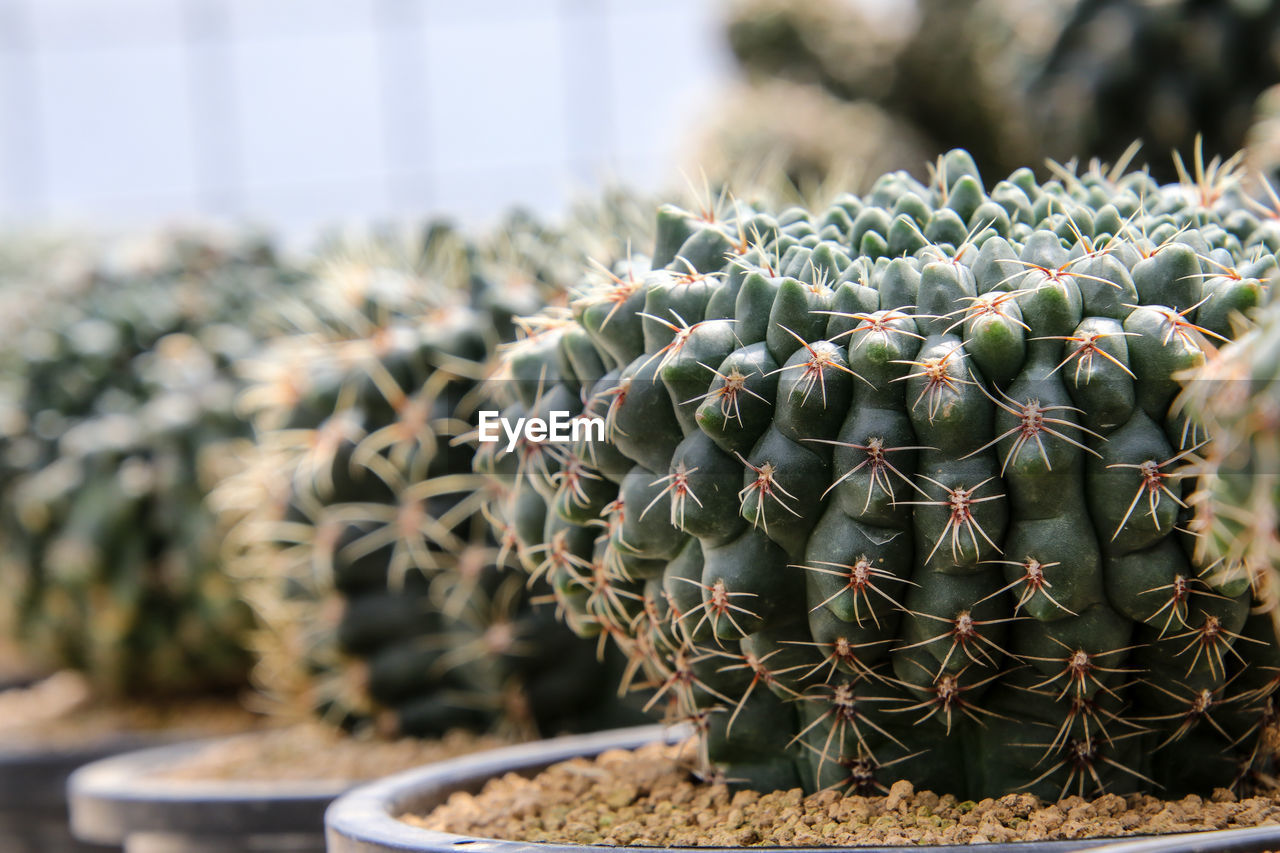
x: 894, y: 496
x: 116, y: 399
x: 385, y: 615
x: 1017, y: 80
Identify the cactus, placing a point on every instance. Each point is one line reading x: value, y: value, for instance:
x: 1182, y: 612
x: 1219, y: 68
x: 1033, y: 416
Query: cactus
x: 1163, y: 72
x: 896, y: 488
x: 831, y: 43
x: 1234, y: 397
x: 804, y: 137
x: 118, y: 402
x: 1263, y: 141
x: 356, y: 530
x: 1016, y: 81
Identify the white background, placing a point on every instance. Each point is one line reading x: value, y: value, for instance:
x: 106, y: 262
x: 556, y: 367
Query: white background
x: 293, y: 113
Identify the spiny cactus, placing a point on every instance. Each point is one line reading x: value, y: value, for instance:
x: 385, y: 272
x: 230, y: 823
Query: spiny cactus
x: 359, y: 540
x: 1263, y: 141
x: 803, y: 136
x: 1016, y: 81
x: 119, y: 399
x: 1165, y: 72
x: 835, y: 44
x: 894, y: 489
x: 1235, y: 396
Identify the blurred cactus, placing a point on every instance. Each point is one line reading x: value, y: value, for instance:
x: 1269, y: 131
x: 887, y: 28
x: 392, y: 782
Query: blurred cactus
x: 963, y: 75
x: 780, y: 137
x: 1163, y: 71
x: 118, y: 402
x: 1264, y: 136
x: 1016, y: 81
x: 832, y: 43
x: 1235, y: 396
x: 356, y: 528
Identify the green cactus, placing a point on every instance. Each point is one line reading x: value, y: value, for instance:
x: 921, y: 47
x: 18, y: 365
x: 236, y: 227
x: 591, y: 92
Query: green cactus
x: 1016, y: 81
x: 834, y: 44
x: 802, y: 136
x: 895, y: 488
x: 357, y: 535
x: 1233, y: 397
x: 118, y: 402
x: 1263, y: 141
x: 1163, y: 72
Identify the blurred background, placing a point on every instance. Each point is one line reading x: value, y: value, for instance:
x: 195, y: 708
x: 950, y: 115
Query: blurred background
x: 294, y: 113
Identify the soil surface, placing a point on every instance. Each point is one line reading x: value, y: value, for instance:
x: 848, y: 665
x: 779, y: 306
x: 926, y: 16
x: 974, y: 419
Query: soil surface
x: 646, y: 798
x: 61, y: 711
x: 313, y: 751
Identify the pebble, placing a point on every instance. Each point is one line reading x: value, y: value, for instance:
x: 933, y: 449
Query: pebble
x: 668, y: 808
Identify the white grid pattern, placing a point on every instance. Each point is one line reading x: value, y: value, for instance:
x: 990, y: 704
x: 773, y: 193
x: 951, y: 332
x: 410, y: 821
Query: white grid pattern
x: 294, y: 113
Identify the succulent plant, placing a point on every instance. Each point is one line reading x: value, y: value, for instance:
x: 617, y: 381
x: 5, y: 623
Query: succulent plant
x: 1263, y: 141
x: 803, y: 137
x: 895, y: 488
x: 1235, y: 397
x: 831, y: 43
x: 357, y: 533
x: 1016, y: 81
x: 117, y: 401
x: 1165, y: 72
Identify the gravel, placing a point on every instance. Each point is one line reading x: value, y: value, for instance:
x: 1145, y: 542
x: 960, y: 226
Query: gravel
x: 646, y: 798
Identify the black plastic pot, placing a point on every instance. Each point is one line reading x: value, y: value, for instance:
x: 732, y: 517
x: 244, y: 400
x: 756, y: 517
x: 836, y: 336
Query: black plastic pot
x: 365, y: 820
x: 33, y: 799
x: 120, y: 800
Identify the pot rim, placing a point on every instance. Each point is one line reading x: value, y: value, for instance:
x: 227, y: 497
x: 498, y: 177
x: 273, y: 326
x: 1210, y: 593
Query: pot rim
x: 18, y: 754
x: 365, y: 819
x: 128, y: 777
x: 33, y: 776
x: 119, y: 796
x: 1244, y: 840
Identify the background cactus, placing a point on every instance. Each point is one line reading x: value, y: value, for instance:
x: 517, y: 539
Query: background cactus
x: 1162, y: 72
x: 356, y: 526
x: 117, y: 401
x: 895, y: 488
x: 1015, y: 81
x: 786, y: 137
x: 1263, y: 144
x: 1234, y: 396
